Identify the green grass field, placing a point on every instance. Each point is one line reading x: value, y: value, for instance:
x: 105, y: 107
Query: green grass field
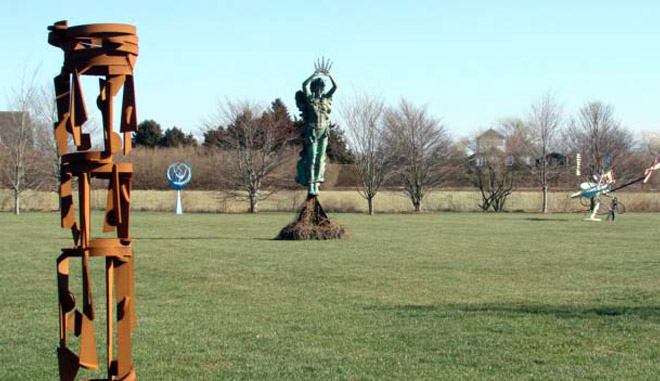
x: 408, y: 297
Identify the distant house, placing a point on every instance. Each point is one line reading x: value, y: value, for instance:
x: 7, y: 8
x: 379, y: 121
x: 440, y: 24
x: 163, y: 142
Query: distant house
x: 488, y: 145
x: 490, y: 140
x: 554, y: 159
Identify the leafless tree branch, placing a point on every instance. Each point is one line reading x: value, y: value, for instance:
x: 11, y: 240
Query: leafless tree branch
x: 364, y: 119
x: 257, y: 151
x: 420, y: 149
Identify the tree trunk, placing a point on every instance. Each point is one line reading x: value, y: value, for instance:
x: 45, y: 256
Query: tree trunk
x: 17, y: 202
x: 496, y: 205
x: 370, y: 201
x: 253, y: 203
x: 418, y: 205
x: 545, y: 199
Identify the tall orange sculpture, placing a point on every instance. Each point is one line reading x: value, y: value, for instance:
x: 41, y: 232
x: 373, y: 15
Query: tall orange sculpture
x: 108, y: 51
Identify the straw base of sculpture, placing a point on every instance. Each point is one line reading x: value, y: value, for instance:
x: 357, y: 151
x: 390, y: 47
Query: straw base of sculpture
x: 312, y: 224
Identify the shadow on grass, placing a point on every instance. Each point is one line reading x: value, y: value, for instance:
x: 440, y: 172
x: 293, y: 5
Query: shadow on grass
x: 512, y: 309
x: 541, y: 219
x: 200, y: 238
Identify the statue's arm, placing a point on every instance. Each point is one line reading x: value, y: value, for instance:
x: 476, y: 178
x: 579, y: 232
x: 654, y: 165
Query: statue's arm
x: 334, y: 86
x: 305, y: 85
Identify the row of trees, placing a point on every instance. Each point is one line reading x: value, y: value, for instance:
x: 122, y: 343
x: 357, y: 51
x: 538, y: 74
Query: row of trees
x: 404, y: 142
x: 411, y: 146
x: 254, y: 148
x: 214, y: 132
x: 406, y: 147
x: 151, y: 135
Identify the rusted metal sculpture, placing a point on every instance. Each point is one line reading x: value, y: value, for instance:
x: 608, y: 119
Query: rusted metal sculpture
x: 108, y: 51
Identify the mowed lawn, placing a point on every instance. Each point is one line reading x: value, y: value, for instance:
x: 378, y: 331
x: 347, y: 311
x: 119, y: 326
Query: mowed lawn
x: 408, y: 297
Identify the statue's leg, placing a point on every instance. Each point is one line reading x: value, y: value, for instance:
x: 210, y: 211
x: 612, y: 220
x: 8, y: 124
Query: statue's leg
x: 319, y: 161
x: 311, y: 157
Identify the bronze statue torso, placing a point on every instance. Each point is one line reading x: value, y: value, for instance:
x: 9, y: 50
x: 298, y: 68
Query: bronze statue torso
x: 320, y: 112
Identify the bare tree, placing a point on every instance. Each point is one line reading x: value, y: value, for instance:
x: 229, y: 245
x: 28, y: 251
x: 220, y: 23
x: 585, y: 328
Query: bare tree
x: 20, y: 162
x: 421, y: 150
x: 364, y: 118
x: 494, y: 178
x: 545, y: 120
x: 492, y: 167
x: 651, y: 142
x: 601, y: 140
x: 256, y: 148
x: 44, y: 115
x: 517, y: 135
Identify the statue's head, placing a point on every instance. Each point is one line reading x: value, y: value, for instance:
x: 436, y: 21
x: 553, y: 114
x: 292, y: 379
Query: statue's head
x: 317, y: 86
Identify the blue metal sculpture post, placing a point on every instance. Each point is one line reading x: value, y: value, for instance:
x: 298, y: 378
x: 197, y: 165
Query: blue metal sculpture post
x: 179, y: 174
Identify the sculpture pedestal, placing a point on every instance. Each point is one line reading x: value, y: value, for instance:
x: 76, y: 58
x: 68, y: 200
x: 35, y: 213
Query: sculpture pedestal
x: 179, y: 209
x: 312, y: 223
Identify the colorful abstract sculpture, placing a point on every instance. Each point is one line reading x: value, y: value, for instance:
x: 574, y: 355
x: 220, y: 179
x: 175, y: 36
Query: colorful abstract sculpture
x: 603, y: 184
x: 592, y: 190
x: 108, y: 51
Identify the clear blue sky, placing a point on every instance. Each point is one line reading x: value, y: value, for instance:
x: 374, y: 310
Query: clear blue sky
x: 472, y: 62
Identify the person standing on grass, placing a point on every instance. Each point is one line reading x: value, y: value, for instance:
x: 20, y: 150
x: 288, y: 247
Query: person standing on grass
x: 612, y: 212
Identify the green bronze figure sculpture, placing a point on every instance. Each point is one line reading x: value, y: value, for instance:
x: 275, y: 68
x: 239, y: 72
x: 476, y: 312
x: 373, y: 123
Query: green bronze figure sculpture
x: 315, y: 107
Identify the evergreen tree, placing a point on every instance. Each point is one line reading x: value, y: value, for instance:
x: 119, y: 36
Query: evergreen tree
x: 338, y: 151
x: 279, y: 116
x: 175, y: 137
x: 215, y: 137
x: 276, y: 119
x: 148, y: 134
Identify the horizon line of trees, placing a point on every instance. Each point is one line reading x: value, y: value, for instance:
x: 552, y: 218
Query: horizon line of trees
x: 250, y: 150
